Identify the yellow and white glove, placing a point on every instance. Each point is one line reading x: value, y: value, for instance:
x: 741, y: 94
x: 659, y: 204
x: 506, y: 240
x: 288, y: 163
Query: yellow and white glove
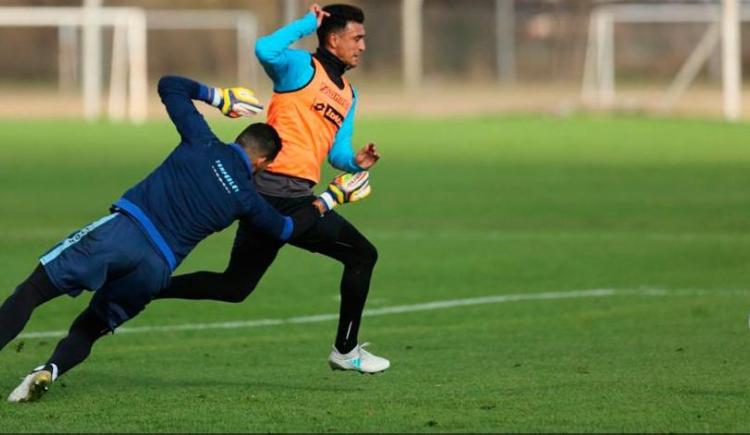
x: 236, y: 102
x: 345, y: 188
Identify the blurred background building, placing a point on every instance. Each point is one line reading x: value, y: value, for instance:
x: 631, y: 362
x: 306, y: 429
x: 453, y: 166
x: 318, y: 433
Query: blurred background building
x: 476, y: 55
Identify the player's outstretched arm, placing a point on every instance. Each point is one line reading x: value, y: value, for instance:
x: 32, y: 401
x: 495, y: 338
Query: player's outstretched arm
x: 342, y: 156
x: 177, y: 94
x: 342, y: 189
x: 288, y: 68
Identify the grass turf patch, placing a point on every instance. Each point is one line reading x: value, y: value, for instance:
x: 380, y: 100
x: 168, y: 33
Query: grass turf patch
x: 461, y: 208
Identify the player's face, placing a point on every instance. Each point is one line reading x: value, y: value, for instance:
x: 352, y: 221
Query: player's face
x: 349, y: 44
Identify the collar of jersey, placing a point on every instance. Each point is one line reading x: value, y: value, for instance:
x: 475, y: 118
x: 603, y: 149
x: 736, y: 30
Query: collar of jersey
x: 245, y: 158
x: 334, y: 67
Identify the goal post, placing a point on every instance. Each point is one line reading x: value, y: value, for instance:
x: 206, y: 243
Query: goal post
x: 731, y: 56
x: 722, y: 28
x: 90, y: 20
x: 92, y: 58
x: 128, y: 87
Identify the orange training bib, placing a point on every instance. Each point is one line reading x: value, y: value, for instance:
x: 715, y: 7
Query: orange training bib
x: 307, y: 121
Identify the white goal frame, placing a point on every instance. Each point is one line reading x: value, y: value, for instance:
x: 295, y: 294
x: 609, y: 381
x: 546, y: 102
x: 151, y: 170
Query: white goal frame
x: 128, y: 93
x: 131, y: 21
x: 723, y: 27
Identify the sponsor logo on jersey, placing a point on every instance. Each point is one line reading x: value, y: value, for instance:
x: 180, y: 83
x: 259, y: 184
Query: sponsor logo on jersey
x: 329, y: 113
x: 224, y: 178
x: 333, y: 94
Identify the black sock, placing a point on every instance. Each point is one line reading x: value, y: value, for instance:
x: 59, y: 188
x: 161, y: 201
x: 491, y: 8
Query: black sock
x: 355, y: 284
x: 350, y: 316
x: 359, y: 257
x: 17, y: 309
x: 76, y: 347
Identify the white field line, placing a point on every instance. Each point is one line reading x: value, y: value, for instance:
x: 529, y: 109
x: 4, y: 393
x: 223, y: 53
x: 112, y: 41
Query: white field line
x: 504, y: 236
x: 55, y: 234
x: 428, y: 306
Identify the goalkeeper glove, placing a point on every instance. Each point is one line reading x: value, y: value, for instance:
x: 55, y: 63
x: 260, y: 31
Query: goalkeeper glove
x: 236, y: 102
x: 346, y: 188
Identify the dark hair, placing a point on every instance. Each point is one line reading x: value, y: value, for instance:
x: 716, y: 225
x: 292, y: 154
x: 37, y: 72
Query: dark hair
x: 340, y: 16
x: 261, y: 140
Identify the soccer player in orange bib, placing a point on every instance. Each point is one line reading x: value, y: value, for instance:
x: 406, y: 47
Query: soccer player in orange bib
x: 312, y: 108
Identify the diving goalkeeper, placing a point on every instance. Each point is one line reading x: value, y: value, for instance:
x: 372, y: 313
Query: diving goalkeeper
x: 127, y: 257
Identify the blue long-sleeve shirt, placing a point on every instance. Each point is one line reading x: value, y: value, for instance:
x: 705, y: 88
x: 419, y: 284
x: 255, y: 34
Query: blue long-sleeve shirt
x: 202, y: 186
x: 291, y: 69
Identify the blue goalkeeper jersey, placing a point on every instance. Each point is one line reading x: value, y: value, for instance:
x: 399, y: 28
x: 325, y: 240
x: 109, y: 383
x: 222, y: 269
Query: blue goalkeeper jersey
x: 203, y: 185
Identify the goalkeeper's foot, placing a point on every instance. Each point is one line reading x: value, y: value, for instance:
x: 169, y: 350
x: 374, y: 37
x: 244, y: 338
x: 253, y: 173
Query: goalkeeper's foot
x: 358, y: 359
x: 33, y: 386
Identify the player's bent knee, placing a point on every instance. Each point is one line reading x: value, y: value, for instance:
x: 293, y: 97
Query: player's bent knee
x: 367, y: 254
x: 239, y: 291
x: 373, y: 254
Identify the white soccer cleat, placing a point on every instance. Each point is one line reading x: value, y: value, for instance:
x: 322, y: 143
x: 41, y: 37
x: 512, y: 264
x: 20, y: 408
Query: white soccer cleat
x: 358, y: 359
x: 32, y: 387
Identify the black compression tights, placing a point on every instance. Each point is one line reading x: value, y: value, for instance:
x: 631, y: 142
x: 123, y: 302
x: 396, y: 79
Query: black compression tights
x: 355, y: 283
x: 76, y: 346
x: 17, y: 309
x: 36, y: 290
x: 252, y: 257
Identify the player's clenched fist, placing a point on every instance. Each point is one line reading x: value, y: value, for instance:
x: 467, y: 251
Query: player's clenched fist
x: 346, y: 188
x: 236, y: 102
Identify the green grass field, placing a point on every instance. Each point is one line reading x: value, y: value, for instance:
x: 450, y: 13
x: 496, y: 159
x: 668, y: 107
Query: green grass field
x: 655, y: 212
